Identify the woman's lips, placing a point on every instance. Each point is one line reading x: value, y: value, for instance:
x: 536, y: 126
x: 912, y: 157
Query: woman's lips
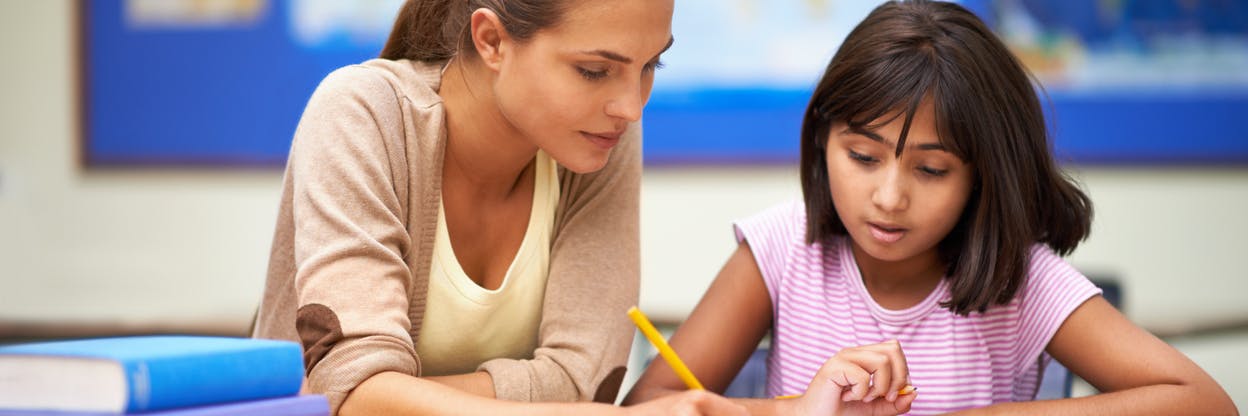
x: 603, y: 140
x: 886, y: 234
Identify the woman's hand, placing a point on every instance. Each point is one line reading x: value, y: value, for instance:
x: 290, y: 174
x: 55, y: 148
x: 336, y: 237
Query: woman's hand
x: 863, y: 380
x: 687, y: 403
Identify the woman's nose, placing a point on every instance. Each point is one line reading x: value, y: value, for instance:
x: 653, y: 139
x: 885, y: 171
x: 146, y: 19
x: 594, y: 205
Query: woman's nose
x: 628, y: 104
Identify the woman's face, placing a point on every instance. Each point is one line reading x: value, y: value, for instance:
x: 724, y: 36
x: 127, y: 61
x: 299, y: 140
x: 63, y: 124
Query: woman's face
x: 896, y: 208
x: 573, y: 88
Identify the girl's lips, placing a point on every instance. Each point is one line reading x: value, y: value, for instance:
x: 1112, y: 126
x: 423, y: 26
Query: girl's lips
x: 886, y: 235
x: 603, y: 140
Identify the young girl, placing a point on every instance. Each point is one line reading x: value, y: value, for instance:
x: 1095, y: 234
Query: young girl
x: 459, y: 218
x: 926, y: 252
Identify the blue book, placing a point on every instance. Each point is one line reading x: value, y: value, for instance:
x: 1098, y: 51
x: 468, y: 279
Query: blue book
x: 307, y: 405
x: 146, y: 373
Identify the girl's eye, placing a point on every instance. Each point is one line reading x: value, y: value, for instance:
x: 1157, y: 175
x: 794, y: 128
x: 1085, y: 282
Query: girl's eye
x: 861, y: 158
x: 591, y: 75
x: 932, y: 171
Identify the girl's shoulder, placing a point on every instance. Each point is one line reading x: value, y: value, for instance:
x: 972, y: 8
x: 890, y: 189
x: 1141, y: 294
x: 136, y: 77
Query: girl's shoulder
x: 1050, y: 283
x: 1045, y: 268
x: 1053, y: 286
x: 780, y: 224
x: 777, y: 238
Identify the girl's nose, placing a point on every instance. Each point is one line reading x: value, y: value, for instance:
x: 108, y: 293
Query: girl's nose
x: 892, y: 193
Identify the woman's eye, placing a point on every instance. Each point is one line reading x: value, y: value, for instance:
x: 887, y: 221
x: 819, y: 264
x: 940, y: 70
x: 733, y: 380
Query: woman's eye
x: 933, y: 171
x: 654, y: 66
x: 591, y: 75
x: 864, y: 159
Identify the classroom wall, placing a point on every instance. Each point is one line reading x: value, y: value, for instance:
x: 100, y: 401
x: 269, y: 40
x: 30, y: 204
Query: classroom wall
x: 188, y: 248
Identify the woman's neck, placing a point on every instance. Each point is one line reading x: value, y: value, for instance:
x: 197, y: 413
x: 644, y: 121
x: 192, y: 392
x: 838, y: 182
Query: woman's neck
x: 899, y: 284
x: 484, y: 152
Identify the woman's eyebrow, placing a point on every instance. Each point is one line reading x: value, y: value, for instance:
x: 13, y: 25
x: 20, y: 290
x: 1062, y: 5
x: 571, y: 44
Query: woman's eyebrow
x: 614, y: 56
x: 609, y: 55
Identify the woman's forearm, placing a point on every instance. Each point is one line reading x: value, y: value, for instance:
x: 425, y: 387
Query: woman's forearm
x: 394, y: 393
x: 478, y: 383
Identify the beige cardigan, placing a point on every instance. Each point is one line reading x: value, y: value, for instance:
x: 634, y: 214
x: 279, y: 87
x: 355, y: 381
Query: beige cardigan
x: 349, y: 265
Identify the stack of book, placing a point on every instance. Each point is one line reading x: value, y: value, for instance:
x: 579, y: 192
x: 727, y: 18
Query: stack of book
x: 156, y: 375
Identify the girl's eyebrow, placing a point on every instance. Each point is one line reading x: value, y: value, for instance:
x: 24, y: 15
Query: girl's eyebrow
x: 878, y: 138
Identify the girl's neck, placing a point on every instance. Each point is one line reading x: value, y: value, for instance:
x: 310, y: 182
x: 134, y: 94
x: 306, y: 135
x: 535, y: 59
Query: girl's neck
x: 901, y: 284
x: 484, y: 151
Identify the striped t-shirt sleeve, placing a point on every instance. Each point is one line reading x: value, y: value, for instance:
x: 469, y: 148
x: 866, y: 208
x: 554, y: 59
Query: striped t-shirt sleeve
x: 1054, y: 289
x: 770, y: 234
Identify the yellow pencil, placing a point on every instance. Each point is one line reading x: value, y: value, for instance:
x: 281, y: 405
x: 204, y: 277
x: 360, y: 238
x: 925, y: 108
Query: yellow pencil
x: 665, y: 350
x: 904, y: 391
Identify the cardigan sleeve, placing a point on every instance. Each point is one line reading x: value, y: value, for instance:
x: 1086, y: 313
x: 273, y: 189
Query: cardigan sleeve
x: 350, y: 239
x: 585, y: 334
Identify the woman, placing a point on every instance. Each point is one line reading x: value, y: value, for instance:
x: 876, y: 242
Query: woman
x: 459, y: 218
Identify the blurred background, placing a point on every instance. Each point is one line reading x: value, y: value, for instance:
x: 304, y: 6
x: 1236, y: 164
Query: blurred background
x: 142, y: 144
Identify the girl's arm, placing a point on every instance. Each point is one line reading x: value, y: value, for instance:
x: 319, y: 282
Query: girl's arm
x: 393, y: 393
x: 1138, y: 373
x: 724, y: 329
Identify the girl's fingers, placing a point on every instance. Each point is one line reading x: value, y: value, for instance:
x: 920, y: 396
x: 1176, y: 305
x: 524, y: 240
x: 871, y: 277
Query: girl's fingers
x: 851, y: 379
x: 880, y: 367
x: 860, y: 375
x: 879, y: 407
x: 836, y: 380
x: 902, y: 404
x: 900, y: 369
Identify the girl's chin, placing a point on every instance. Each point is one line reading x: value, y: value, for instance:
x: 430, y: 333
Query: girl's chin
x: 884, y: 255
x: 882, y: 252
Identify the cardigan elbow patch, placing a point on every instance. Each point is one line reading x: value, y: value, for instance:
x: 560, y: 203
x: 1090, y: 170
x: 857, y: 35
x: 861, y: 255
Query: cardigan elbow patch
x: 610, y: 386
x: 319, y: 330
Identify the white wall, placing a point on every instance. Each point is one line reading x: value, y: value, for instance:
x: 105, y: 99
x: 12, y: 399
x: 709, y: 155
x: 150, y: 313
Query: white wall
x: 189, y: 247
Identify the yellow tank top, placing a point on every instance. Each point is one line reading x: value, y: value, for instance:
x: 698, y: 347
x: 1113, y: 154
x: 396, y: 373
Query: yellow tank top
x: 464, y: 324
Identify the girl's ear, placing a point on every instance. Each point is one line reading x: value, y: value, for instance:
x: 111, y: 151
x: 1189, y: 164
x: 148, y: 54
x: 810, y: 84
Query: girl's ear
x: 489, y: 37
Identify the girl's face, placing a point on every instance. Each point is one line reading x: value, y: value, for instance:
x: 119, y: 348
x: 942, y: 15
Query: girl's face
x: 896, y: 208
x: 573, y: 88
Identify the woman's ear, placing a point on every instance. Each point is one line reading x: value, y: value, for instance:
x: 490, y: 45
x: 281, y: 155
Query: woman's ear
x: 489, y: 37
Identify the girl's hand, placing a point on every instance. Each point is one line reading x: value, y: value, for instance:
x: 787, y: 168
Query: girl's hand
x: 863, y: 380
x: 688, y: 403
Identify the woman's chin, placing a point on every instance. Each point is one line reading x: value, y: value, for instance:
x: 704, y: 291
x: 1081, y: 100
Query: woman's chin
x: 586, y: 163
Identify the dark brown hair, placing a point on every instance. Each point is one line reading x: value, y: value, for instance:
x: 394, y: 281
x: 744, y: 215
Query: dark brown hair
x: 436, y: 30
x: 987, y: 114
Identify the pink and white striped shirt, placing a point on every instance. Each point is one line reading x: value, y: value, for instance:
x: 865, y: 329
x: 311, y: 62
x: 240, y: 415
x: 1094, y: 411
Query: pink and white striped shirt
x: 821, y: 306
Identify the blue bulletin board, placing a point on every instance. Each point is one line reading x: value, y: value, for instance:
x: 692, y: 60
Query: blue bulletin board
x: 197, y: 88
x: 192, y: 83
